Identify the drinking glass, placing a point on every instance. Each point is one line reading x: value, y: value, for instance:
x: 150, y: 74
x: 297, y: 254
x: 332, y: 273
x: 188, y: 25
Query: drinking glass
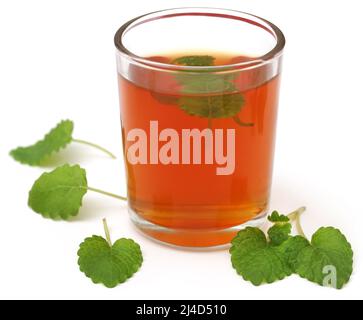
x: 198, y: 94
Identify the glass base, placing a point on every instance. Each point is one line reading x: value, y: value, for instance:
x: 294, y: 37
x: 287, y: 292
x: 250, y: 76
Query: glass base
x: 192, y: 238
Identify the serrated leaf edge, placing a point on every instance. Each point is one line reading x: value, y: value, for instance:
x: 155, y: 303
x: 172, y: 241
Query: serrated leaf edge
x: 46, y: 155
x: 56, y: 215
x: 280, y: 277
x: 135, y: 267
x: 350, y: 260
x: 264, y: 280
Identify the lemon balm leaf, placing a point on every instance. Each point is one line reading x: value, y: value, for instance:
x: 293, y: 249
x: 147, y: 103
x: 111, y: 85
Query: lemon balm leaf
x: 200, y: 91
x: 196, y: 61
x: 218, y: 106
x: 56, y: 139
x: 276, y: 217
x: 107, y: 263
x: 206, y: 83
x: 281, y: 229
x: 291, y: 249
x: 279, y: 233
x: 256, y: 260
x: 206, y: 94
x: 328, y: 260
x: 58, y: 194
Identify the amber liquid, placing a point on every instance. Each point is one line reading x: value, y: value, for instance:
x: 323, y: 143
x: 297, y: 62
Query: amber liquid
x: 192, y: 198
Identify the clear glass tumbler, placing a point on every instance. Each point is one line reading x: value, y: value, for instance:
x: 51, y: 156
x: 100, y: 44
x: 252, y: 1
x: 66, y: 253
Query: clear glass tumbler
x: 198, y: 98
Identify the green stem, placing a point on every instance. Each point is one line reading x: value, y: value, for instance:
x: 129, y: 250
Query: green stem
x: 242, y: 124
x: 95, y: 146
x: 107, y: 193
x: 295, y: 216
x: 107, y: 231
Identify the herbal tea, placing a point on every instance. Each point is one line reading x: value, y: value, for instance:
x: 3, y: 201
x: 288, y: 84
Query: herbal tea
x: 198, y: 146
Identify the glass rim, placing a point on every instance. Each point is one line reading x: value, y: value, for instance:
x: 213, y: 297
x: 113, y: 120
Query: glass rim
x: 274, y: 53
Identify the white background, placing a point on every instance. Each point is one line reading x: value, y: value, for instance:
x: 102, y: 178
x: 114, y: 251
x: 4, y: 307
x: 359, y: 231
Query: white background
x: 57, y: 61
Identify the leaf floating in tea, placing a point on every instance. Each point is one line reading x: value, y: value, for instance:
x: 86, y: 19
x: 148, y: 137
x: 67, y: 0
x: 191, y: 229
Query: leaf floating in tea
x: 165, y: 98
x: 206, y: 94
x: 206, y: 83
x: 196, y: 61
x: 218, y: 106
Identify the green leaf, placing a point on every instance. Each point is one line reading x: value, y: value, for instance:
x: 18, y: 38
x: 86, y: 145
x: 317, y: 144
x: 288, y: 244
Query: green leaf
x: 276, y: 217
x: 281, y: 229
x: 58, y: 194
x: 197, y: 61
x: 279, y: 233
x: 327, y: 260
x: 107, y: 264
x: 291, y: 248
x: 206, y: 94
x: 53, y: 141
x: 206, y: 83
x: 217, y: 106
x: 255, y: 259
x: 165, y: 98
x: 200, y: 90
x: 329, y: 249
